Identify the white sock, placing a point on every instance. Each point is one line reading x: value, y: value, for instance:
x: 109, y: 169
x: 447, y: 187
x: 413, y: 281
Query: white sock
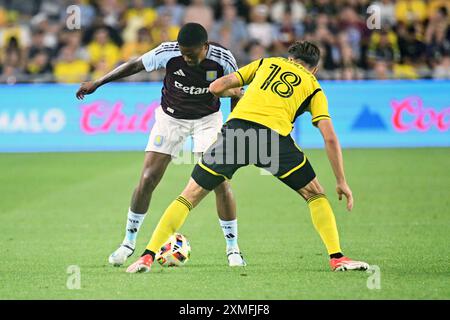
x: 134, y: 222
x: 230, y: 232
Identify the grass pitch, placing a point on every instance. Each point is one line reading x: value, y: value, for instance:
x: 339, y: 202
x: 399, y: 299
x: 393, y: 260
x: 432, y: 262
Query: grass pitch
x: 58, y: 210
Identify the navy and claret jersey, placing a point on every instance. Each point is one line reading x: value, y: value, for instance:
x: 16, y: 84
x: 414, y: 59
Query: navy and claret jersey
x: 185, y: 93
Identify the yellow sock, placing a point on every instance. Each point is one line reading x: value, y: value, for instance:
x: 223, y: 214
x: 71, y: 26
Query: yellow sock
x: 172, y: 220
x: 324, y: 222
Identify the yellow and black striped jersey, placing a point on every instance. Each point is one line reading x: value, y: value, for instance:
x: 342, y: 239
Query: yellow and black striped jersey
x: 279, y: 91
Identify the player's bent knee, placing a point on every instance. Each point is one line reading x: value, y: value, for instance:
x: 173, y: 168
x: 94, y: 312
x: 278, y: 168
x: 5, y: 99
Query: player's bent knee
x: 311, y: 189
x: 150, y: 179
x: 223, y: 189
x: 194, y: 193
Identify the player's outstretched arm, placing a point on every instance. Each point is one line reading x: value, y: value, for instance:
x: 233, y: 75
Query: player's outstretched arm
x: 124, y: 70
x: 334, y: 153
x: 226, y: 86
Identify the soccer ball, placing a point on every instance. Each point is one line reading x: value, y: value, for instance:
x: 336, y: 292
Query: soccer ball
x: 175, y: 252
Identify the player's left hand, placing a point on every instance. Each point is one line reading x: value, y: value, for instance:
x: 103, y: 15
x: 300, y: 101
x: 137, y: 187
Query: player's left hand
x: 344, y: 189
x: 86, y: 88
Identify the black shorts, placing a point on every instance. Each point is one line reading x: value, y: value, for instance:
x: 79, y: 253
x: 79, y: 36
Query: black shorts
x: 241, y: 143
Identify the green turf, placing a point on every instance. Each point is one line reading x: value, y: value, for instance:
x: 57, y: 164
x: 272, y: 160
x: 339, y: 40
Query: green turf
x: 58, y: 210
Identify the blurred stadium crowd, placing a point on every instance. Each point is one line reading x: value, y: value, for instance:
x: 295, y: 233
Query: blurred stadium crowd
x: 36, y: 44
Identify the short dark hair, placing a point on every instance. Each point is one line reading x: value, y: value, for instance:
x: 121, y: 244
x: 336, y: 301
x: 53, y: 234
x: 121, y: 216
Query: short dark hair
x: 443, y: 10
x: 192, y: 35
x: 305, y: 51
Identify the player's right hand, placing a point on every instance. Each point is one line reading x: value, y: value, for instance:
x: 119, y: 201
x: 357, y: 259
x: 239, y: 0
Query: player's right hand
x: 344, y: 189
x: 86, y: 88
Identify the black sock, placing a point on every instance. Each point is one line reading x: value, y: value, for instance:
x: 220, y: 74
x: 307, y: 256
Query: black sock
x: 148, y: 252
x: 336, y: 255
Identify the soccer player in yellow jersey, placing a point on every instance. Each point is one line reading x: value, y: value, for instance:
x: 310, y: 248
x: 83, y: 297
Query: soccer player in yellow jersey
x: 279, y: 90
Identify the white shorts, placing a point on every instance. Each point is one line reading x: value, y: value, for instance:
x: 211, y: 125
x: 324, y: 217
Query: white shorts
x: 169, y: 134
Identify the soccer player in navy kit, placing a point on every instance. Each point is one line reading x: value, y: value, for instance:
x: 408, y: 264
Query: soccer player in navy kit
x: 187, y: 109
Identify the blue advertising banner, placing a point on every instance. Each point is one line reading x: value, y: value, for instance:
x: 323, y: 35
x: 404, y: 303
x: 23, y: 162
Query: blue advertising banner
x: 48, y: 117
x: 119, y: 116
x: 384, y: 114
